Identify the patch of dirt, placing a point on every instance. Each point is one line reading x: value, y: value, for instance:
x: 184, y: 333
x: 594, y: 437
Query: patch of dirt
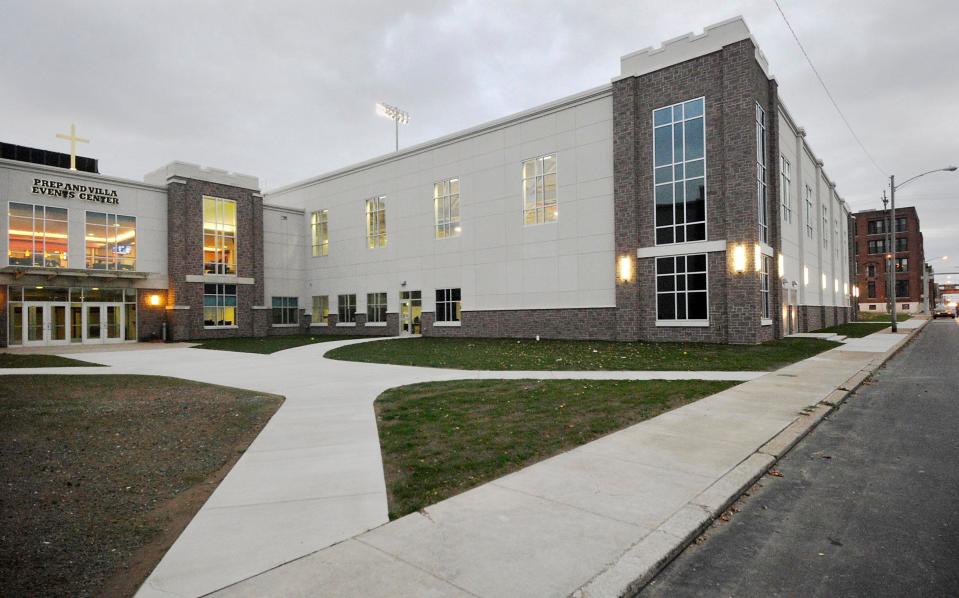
x: 100, y: 474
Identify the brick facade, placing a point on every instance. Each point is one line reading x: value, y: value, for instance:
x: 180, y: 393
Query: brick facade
x: 732, y: 82
x: 914, y: 254
x: 185, y: 243
x: 579, y: 324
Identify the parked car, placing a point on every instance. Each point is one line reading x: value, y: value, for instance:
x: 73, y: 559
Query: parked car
x: 941, y: 311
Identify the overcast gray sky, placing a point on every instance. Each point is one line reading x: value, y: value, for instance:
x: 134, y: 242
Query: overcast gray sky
x: 285, y: 90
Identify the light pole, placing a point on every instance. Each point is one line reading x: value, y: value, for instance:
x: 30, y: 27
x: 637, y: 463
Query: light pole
x: 925, y: 282
x: 396, y: 115
x: 892, y: 221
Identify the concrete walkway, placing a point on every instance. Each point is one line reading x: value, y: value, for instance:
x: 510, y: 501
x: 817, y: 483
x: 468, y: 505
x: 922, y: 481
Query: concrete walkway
x: 591, y: 521
x: 313, y: 476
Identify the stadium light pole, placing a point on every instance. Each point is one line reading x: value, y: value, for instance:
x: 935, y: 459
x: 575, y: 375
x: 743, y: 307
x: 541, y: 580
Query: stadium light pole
x: 396, y: 115
x: 892, y: 233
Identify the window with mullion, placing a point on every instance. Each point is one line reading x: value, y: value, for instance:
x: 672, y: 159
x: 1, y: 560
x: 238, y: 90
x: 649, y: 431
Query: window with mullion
x: 346, y: 308
x: 376, y: 222
x: 37, y: 236
x: 319, y: 228
x: 764, y: 287
x: 285, y: 311
x: 219, y: 235
x: 446, y: 207
x: 762, y: 191
x: 375, y: 307
x: 679, y: 172
x: 540, y: 190
x: 681, y: 288
x: 448, y: 305
x: 786, y: 188
x: 809, y: 216
x: 219, y: 305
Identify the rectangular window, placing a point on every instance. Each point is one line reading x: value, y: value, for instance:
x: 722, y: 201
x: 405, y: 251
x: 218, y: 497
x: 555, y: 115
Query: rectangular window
x: 681, y: 288
x: 320, y: 233
x: 679, y: 172
x: 321, y: 310
x: 376, y: 307
x: 901, y: 224
x: 902, y: 244
x: 871, y: 270
x: 871, y: 289
x: 761, y: 188
x: 446, y: 207
x: 111, y: 241
x: 219, y: 305
x: 785, y: 189
x: 219, y: 235
x: 876, y: 246
x: 376, y: 222
x: 447, y: 305
x: 835, y: 229
x: 539, y: 190
x: 902, y: 264
x: 764, y: 287
x: 902, y: 288
x: 809, y: 216
x: 346, y: 308
x: 37, y: 236
x: 876, y: 227
x: 825, y: 227
x: 285, y: 311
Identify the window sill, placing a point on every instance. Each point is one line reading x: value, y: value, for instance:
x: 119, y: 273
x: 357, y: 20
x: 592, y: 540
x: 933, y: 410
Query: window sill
x: 375, y: 324
x: 220, y: 327
x: 765, y: 322
x: 346, y: 324
x: 442, y: 324
x: 285, y: 325
x: 323, y: 324
x: 683, y: 323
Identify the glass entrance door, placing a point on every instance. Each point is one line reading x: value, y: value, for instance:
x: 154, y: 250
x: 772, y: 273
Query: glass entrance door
x: 103, y: 322
x: 411, y: 308
x: 43, y: 323
x: 34, y: 324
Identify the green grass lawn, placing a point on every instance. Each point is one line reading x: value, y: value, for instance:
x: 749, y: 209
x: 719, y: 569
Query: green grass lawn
x: 856, y: 329
x: 512, y: 354
x: 872, y: 316
x: 101, y: 473
x: 441, y: 438
x: 270, y: 344
x: 36, y: 360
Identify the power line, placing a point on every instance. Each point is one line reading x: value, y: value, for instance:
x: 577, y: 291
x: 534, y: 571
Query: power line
x: 828, y: 93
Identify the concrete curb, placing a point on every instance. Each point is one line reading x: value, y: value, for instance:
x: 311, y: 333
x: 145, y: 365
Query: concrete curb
x: 645, y: 559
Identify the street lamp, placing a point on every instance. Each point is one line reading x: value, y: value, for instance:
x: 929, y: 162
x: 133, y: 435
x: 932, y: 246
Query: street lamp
x: 396, y: 115
x: 892, y: 228
x: 925, y: 282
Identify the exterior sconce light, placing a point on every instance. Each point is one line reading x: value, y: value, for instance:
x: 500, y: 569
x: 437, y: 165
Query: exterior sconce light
x: 739, y: 258
x: 805, y: 275
x: 625, y: 268
x: 780, y: 264
x: 824, y: 282
x: 845, y: 288
x: 154, y: 299
x: 759, y: 258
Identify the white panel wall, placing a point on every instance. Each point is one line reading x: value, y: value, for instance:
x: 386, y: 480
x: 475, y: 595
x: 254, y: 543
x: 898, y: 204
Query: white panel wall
x: 802, y: 253
x: 284, y: 254
x: 146, y: 202
x: 497, y: 261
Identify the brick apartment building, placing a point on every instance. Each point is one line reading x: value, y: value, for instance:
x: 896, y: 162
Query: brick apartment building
x: 873, y: 255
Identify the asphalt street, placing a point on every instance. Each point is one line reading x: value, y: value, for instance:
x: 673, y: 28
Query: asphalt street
x: 867, y: 505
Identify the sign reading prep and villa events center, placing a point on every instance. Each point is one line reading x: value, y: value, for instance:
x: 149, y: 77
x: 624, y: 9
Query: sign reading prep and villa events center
x: 74, y: 191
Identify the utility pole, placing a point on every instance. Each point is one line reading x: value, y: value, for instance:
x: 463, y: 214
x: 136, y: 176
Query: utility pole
x: 892, y: 247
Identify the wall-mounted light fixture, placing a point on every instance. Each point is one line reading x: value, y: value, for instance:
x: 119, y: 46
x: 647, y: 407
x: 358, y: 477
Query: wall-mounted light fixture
x: 824, y: 282
x: 780, y: 263
x: 625, y: 268
x: 739, y: 258
x: 154, y: 299
x: 759, y: 258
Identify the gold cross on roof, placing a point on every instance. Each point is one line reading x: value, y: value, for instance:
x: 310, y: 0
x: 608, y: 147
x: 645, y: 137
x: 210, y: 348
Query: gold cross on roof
x: 73, y: 139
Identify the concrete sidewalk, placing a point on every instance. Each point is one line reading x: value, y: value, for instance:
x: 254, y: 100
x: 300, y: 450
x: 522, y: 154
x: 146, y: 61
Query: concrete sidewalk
x: 314, y: 475
x: 598, y: 519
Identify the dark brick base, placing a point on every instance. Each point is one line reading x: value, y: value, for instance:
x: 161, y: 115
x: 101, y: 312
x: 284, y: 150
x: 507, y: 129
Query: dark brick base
x: 817, y: 317
x: 392, y: 327
x: 579, y: 324
x: 150, y: 318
